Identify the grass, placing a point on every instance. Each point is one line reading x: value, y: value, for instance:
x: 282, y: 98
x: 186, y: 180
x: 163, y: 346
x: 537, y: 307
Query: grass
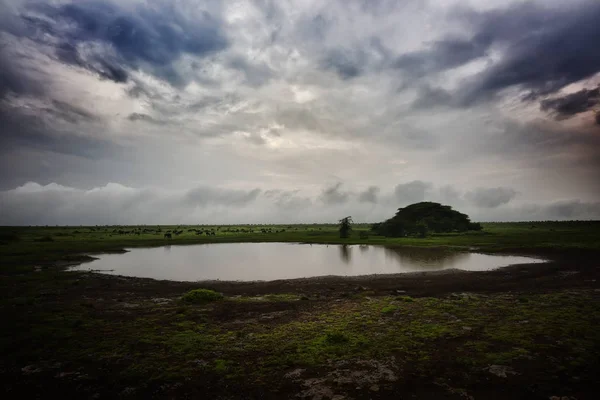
x: 350, y: 330
x: 90, y: 323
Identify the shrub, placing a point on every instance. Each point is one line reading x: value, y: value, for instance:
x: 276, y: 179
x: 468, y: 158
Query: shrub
x: 201, y: 296
x: 334, y: 338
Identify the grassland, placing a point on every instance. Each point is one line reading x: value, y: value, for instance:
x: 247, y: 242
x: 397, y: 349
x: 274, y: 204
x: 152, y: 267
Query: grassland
x: 520, y: 332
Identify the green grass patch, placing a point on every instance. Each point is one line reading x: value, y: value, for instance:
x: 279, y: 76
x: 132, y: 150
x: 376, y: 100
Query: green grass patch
x: 201, y: 296
x: 389, y: 309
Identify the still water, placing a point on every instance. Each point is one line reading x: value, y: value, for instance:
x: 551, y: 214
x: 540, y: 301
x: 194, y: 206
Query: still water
x: 270, y: 261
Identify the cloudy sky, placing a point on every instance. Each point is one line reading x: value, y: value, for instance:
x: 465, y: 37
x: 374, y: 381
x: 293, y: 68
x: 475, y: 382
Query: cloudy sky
x: 191, y: 111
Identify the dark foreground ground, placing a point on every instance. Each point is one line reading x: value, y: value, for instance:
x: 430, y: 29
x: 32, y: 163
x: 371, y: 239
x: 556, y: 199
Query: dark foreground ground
x: 523, y: 332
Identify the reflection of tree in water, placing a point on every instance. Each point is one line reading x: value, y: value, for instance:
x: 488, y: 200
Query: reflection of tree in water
x: 363, y: 247
x: 345, y: 253
x: 426, y: 258
x: 167, y: 248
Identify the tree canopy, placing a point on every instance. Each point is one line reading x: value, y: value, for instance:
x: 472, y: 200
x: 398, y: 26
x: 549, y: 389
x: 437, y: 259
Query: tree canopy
x: 345, y: 225
x: 421, y: 218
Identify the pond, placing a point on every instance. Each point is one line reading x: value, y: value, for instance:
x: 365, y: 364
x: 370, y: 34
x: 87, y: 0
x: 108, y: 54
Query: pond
x: 271, y: 261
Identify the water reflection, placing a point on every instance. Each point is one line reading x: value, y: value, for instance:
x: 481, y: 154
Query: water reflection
x: 345, y: 253
x: 363, y: 247
x: 269, y: 261
x: 426, y: 258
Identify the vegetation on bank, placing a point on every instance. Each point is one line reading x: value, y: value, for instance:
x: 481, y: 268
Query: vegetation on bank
x: 22, y: 246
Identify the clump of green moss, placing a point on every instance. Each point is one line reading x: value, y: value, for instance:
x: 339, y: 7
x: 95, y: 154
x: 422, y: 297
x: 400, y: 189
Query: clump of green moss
x: 389, y: 309
x: 201, y: 296
x: 406, y: 299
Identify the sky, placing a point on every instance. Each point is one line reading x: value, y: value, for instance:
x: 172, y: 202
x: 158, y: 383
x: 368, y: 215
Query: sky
x: 293, y: 111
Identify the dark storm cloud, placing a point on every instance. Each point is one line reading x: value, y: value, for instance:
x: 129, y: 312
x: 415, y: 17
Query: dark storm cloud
x: 12, y: 80
x: 369, y: 195
x: 547, y: 49
x: 544, y: 49
x: 442, y: 55
x: 147, y: 37
x: 52, y: 128
x: 104, y: 64
x: 490, y: 197
x: 571, y: 104
x: 334, y: 195
x: 411, y: 192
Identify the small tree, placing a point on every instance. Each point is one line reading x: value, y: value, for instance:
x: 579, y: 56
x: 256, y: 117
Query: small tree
x: 345, y: 227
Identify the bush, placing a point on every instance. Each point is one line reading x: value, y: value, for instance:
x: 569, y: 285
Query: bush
x: 201, y: 296
x: 335, y: 338
x: 44, y: 239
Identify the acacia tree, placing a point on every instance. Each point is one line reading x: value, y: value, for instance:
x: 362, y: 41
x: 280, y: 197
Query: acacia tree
x: 345, y: 227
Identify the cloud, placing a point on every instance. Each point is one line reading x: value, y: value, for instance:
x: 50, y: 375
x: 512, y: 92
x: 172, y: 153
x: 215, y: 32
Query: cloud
x: 442, y: 55
x: 572, y: 209
x: 346, y: 63
x: 289, y: 200
x: 202, y: 196
x: 369, y: 195
x: 429, y: 97
x: 109, y: 39
x: 507, y: 39
x: 12, y: 78
x: 412, y: 192
x: 490, y: 197
x: 116, y: 204
x: 565, y: 39
x: 333, y: 195
x: 144, y: 118
x: 71, y: 113
x: 574, y: 103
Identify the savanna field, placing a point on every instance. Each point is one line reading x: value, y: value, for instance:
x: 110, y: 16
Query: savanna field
x: 527, y: 331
